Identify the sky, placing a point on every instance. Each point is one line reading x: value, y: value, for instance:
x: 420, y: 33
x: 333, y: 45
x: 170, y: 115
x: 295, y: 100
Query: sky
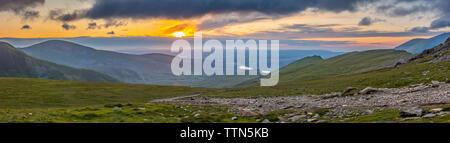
x: 336, y: 25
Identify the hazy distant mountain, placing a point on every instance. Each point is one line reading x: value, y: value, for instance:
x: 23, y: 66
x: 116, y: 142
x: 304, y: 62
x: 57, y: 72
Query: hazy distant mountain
x: 15, y: 63
x: 151, y: 68
x: 147, y: 69
x: 417, y: 46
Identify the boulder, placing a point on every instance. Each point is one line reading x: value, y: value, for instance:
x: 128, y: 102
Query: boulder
x: 296, y: 118
x: 248, y: 113
x: 234, y: 118
x: 368, y: 90
x: 435, y: 83
x: 413, y: 112
x: 429, y: 116
x: 266, y: 121
x: 350, y: 91
x: 331, y: 95
x: 437, y: 110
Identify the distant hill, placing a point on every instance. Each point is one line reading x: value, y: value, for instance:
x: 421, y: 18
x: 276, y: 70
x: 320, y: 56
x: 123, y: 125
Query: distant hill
x: 15, y: 63
x: 146, y: 69
x: 417, y: 46
x: 350, y: 70
x: 354, y: 62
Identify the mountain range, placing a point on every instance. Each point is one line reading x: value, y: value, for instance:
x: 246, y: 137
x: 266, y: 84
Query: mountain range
x: 416, y: 46
x: 15, y: 63
x: 142, y: 69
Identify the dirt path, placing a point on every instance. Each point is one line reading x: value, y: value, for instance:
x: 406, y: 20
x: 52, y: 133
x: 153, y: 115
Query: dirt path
x: 419, y: 95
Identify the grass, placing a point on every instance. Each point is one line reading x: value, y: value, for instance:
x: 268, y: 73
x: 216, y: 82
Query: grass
x: 405, y: 75
x: 127, y: 113
x: 393, y: 115
x: 18, y: 93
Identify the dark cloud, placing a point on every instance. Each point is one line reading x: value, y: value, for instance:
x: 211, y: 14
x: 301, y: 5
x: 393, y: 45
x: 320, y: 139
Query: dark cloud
x: 367, y: 21
x: 194, y: 8
x: 92, y: 25
x: 61, y: 15
x: 109, y: 23
x: 420, y: 29
x: 68, y: 27
x: 30, y: 15
x: 25, y: 27
x: 19, y: 5
x: 111, y: 33
x: 442, y: 22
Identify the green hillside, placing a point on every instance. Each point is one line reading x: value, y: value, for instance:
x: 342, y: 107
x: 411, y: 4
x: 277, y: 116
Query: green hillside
x: 14, y: 63
x: 40, y: 93
x: 322, y: 82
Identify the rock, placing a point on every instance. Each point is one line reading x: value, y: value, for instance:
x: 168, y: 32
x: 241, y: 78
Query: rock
x: 266, y: 121
x: 140, y: 108
x: 368, y: 112
x: 331, y: 95
x: 437, y: 110
x: 248, y: 113
x: 234, y: 118
x: 435, y: 83
x: 296, y: 118
x: 282, y: 119
x: 311, y: 120
x: 443, y: 113
x: 410, y: 118
x: 368, y: 90
x: 321, y: 121
x: 429, y: 116
x: 413, y: 112
x: 262, y: 113
x: 386, y: 122
x: 316, y: 116
x: 196, y: 115
x: 350, y: 91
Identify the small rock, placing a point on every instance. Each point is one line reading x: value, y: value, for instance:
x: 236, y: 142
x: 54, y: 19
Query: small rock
x: 410, y: 118
x: 437, y: 110
x: 316, y: 116
x: 234, y: 118
x: 248, y: 113
x: 196, y: 115
x: 311, y: 120
x: 350, y: 91
x: 140, y: 108
x: 435, y: 83
x: 321, y: 121
x: 266, y: 121
x: 296, y: 118
x: 368, y: 112
x: 368, y: 90
x: 282, y: 119
x: 386, y: 122
x: 413, y: 112
x: 429, y: 116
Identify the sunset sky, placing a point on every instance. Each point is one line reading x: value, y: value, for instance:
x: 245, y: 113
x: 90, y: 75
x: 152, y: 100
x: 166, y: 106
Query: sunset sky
x: 348, y: 24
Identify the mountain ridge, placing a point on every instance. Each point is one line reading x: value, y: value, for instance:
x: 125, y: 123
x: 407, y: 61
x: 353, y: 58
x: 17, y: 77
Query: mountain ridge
x: 416, y: 46
x: 15, y: 63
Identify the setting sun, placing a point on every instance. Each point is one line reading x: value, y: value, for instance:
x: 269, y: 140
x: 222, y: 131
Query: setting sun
x: 179, y: 34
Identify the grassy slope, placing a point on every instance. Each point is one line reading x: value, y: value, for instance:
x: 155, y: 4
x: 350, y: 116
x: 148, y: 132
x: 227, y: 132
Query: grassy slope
x: 332, y: 75
x: 38, y: 93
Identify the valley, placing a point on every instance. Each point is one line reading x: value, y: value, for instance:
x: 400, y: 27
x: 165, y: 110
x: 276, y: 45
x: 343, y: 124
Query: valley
x: 367, y: 86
